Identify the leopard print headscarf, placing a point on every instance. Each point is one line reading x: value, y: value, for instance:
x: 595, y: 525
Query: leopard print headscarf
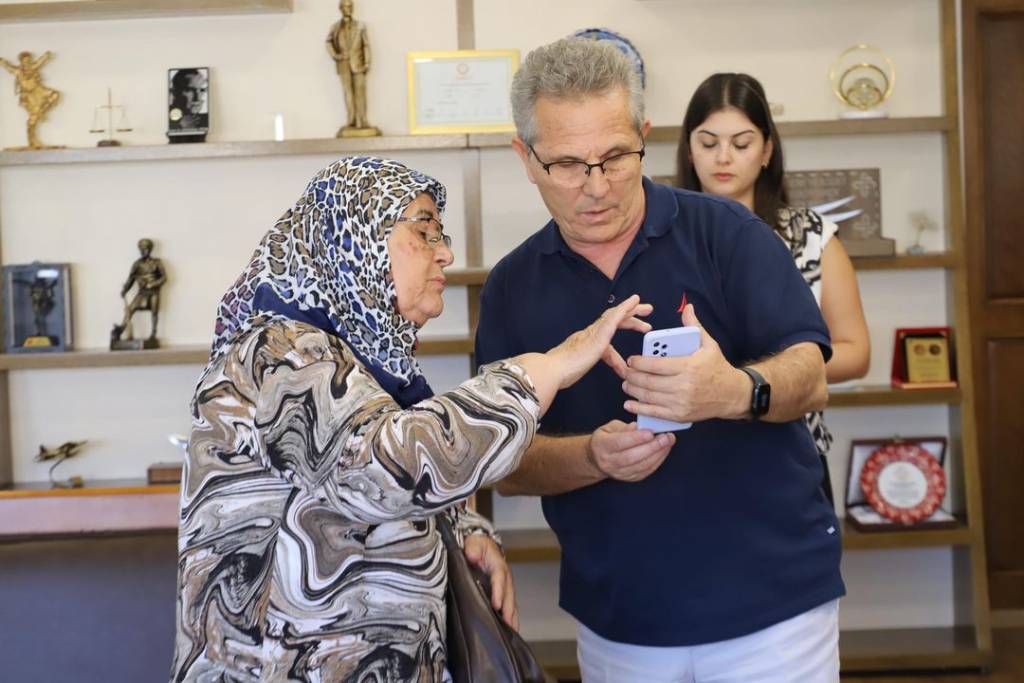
x: 328, y: 256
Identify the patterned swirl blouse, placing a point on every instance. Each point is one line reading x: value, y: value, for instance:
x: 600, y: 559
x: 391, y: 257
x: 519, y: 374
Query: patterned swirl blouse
x: 307, y: 549
x: 807, y: 234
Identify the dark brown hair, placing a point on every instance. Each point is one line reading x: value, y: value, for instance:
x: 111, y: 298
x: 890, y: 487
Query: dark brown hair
x: 745, y: 93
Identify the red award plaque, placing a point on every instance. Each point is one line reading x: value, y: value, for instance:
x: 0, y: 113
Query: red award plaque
x: 903, y: 482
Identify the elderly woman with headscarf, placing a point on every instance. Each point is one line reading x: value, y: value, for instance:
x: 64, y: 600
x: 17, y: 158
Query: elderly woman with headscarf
x: 319, y: 456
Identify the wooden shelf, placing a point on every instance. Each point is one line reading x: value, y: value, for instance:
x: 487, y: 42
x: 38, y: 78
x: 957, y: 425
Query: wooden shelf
x: 541, y: 545
x: 911, y: 648
x: 135, y: 9
x: 224, y: 150
x: 905, y: 261
x: 853, y: 539
x: 885, y: 395
x: 862, y: 651
x: 831, y: 127
x: 787, y: 129
x: 467, y: 276
x: 178, y: 355
x: 407, y: 143
x: 96, y: 489
x: 101, y: 358
x: 101, y: 507
x: 530, y: 545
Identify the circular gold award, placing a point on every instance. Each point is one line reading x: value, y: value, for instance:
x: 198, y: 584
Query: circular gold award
x: 862, y: 77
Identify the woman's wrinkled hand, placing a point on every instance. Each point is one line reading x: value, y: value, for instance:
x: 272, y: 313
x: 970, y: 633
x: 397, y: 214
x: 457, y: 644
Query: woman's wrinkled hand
x: 483, y: 552
x: 581, y: 350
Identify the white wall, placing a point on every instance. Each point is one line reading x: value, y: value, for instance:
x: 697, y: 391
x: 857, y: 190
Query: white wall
x: 207, y: 215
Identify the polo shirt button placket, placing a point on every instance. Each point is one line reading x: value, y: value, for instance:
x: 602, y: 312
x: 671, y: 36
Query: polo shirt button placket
x: 611, y: 298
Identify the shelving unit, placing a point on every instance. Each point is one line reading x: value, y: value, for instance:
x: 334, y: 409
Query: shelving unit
x: 78, y: 10
x: 875, y: 649
x: 119, y: 507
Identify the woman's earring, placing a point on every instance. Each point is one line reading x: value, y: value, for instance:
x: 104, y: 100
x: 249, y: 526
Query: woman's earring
x: 764, y: 165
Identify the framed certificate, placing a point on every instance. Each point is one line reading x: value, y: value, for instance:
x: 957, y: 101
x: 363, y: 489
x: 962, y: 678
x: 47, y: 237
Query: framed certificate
x: 462, y: 91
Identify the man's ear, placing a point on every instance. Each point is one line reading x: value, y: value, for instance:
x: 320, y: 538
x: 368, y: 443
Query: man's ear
x: 523, y: 152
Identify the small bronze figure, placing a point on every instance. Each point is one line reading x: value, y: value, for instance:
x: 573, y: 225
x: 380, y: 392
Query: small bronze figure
x: 148, y: 274
x: 350, y: 49
x: 40, y: 291
x: 33, y: 96
x: 66, y: 450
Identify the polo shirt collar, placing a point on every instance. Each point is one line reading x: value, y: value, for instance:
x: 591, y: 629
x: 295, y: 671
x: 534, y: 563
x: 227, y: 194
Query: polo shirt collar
x: 661, y: 211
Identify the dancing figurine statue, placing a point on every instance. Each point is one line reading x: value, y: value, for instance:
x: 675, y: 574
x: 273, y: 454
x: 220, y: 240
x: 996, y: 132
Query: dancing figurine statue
x: 33, y: 96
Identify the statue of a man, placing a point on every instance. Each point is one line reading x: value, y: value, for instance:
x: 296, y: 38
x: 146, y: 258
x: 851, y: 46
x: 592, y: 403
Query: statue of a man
x: 40, y: 292
x: 148, y: 273
x: 350, y: 49
x: 33, y: 96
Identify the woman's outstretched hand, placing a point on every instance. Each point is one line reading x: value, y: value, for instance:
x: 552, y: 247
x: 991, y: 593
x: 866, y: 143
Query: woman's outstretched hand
x: 581, y: 350
x: 565, y: 364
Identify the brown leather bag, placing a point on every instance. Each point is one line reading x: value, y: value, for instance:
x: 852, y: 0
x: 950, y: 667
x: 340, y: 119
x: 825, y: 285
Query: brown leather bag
x: 482, y: 648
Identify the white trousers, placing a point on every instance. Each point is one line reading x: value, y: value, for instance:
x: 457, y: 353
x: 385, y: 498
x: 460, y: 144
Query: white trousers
x: 804, y: 649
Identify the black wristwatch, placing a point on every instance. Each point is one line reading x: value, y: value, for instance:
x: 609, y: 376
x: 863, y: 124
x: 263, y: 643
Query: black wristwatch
x: 760, y: 396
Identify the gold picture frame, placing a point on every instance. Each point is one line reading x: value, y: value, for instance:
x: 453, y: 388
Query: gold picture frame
x: 460, y: 91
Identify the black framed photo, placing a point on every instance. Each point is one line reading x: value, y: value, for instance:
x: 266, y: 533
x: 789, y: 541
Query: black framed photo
x: 37, y: 307
x: 188, y: 104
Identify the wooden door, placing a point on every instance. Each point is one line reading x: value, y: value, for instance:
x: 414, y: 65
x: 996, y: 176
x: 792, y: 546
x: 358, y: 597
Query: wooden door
x: 993, y: 79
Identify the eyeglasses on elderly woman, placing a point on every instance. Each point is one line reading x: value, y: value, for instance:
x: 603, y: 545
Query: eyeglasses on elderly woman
x: 433, y: 239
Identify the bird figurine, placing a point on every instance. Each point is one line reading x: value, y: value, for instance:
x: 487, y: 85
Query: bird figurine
x: 66, y: 450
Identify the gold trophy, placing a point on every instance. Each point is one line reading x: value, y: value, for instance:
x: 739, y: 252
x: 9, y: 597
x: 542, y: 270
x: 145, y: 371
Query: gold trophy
x: 862, y: 77
x: 34, y: 97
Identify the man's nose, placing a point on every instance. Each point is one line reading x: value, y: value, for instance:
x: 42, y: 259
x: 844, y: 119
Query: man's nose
x: 596, y: 184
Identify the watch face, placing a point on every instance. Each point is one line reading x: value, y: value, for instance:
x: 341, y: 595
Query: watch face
x: 761, y: 399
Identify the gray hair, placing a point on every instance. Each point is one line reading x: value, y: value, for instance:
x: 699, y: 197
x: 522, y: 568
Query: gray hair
x: 572, y: 68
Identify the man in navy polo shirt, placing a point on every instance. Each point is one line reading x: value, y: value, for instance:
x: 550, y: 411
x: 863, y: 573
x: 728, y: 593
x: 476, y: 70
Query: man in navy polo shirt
x: 709, y: 554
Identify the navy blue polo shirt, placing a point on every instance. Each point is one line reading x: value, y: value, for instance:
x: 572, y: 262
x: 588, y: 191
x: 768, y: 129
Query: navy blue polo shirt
x: 733, y: 532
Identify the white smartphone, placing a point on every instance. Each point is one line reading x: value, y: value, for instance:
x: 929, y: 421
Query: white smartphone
x: 676, y: 341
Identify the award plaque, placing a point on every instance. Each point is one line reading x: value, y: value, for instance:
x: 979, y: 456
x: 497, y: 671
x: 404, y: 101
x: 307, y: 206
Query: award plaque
x: 923, y: 358
x: 462, y: 91
x: 37, y: 307
x: 897, y: 483
x: 850, y: 198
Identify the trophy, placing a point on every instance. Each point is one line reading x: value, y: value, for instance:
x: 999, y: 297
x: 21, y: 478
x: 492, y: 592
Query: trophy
x: 97, y: 122
x: 33, y: 96
x: 862, y: 77
x: 37, y: 307
x: 349, y: 47
x: 148, y: 275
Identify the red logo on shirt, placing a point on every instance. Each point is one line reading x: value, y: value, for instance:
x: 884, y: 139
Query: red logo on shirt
x: 682, y: 304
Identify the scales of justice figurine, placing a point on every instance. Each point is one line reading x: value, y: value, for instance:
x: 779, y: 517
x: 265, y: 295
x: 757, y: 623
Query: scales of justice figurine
x: 33, y: 96
x: 148, y: 275
x: 862, y: 77
x: 350, y: 49
x: 109, y: 129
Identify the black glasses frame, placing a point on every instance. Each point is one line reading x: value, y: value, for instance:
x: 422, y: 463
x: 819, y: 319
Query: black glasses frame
x: 547, y: 165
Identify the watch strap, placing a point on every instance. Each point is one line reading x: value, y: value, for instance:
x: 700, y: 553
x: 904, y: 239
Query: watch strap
x: 759, y: 395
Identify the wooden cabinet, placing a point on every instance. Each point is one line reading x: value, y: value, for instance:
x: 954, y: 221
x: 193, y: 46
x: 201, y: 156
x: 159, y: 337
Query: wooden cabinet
x: 28, y: 511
